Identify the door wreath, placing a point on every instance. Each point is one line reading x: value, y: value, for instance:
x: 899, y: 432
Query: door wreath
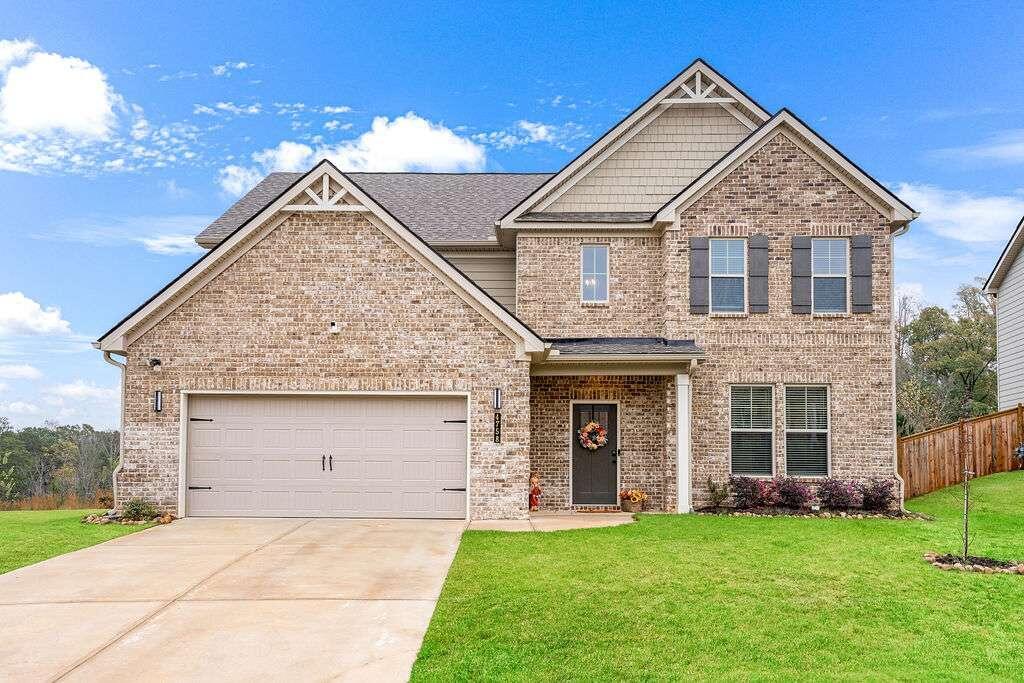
x: 593, y: 436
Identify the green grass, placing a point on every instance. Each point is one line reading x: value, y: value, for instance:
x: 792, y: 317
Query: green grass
x: 32, y: 536
x: 734, y: 598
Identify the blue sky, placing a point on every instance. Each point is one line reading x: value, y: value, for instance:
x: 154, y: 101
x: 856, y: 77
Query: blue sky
x: 125, y: 128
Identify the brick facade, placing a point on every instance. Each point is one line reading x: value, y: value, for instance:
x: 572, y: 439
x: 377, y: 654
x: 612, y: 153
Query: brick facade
x: 262, y: 325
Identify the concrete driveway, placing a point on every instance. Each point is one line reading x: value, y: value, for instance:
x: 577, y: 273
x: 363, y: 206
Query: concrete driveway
x: 230, y: 599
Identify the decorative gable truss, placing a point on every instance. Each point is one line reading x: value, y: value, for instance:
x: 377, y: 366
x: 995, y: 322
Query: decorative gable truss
x: 323, y: 189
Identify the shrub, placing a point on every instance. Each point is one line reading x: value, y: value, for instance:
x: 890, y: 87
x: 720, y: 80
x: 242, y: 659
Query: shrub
x: 746, y: 492
x: 138, y: 509
x: 879, y: 494
x: 717, y: 493
x: 768, y: 492
x: 839, y: 494
x: 792, y: 493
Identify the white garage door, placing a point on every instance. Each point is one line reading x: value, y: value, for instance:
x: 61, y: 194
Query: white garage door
x: 326, y: 456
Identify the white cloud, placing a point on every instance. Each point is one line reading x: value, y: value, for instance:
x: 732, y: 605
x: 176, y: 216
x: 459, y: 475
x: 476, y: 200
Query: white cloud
x: 165, y: 235
x: 19, y: 371
x: 537, y: 132
x: 80, y: 401
x: 1006, y: 147
x: 45, y: 93
x: 14, y: 51
x: 172, y: 245
x: 530, y: 132
x: 20, y: 315
x: 19, y: 408
x: 237, y: 180
x: 239, y: 109
x: 912, y: 290
x: 80, y: 389
x: 227, y: 68
x: 406, y: 143
x: 963, y: 216
x: 334, y: 124
x: 178, y: 76
x: 336, y: 110
x: 287, y: 156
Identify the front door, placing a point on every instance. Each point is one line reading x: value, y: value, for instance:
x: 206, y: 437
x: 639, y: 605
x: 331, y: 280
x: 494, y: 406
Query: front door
x: 595, y: 471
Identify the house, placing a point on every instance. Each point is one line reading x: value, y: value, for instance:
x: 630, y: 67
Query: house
x: 706, y: 290
x: 1005, y: 287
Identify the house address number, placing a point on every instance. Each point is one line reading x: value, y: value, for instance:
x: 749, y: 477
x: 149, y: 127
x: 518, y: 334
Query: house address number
x: 497, y: 427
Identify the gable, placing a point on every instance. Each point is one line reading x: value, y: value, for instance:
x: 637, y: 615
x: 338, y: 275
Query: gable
x: 651, y: 167
x: 1006, y: 260
x: 327, y: 192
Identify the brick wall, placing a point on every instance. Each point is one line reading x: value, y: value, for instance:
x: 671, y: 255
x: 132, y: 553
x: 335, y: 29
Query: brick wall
x: 262, y: 325
x: 642, y: 425
x: 548, y: 291
x: 780, y: 192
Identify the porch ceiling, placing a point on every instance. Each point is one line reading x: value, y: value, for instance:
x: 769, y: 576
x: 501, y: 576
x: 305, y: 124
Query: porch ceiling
x: 618, y: 356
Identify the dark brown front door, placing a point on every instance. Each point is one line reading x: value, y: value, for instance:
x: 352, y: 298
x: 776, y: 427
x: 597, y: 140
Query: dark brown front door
x: 594, y: 473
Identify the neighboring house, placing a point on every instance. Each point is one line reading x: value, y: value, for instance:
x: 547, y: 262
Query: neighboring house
x: 1005, y: 286
x: 710, y: 283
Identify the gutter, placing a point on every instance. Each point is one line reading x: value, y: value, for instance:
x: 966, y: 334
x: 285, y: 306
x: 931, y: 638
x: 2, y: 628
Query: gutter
x: 120, y: 438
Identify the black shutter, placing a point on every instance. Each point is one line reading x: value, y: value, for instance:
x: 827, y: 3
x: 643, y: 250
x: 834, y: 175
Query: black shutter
x: 860, y: 273
x: 801, y: 274
x: 757, y: 273
x: 698, y: 275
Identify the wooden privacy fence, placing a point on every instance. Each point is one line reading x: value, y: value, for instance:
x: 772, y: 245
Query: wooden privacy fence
x: 934, y: 459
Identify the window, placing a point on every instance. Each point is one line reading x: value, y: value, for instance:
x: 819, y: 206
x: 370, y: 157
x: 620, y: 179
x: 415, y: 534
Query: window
x: 594, y: 274
x: 807, y: 435
x: 750, y: 415
x: 828, y: 271
x: 728, y: 276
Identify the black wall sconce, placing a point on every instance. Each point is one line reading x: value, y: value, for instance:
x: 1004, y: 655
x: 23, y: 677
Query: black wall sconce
x: 496, y: 399
x: 158, y: 401
x: 154, y: 363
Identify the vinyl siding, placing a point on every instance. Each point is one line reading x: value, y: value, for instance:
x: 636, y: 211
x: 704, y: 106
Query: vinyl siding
x: 657, y: 162
x: 496, y: 274
x: 1010, y: 336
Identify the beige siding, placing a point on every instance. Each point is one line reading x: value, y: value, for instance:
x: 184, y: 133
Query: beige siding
x: 496, y: 274
x: 657, y: 162
x: 1010, y: 336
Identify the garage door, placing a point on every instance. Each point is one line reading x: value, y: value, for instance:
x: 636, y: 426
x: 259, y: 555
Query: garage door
x: 326, y: 456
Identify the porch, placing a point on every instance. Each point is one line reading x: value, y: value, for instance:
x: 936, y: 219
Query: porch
x: 605, y: 416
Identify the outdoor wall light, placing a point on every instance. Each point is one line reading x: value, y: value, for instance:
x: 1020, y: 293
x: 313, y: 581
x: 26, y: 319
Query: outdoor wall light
x: 496, y: 399
x: 333, y: 328
x: 158, y: 401
x: 154, y: 363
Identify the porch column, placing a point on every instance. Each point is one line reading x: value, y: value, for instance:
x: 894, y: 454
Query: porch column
x: 683, y: 496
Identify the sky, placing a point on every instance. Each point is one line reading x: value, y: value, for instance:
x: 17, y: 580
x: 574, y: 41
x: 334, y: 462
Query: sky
x: 125, y: 128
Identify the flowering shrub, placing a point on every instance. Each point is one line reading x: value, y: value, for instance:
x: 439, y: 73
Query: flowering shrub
x: 792, y: 493
x: 769, y: 492
x: 746, y: 492
x: 879, y: 494
x: 633, y: 495
x: 839, y: 494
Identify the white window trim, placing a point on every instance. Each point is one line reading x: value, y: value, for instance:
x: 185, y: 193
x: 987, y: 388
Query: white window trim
x: 771, y: 388
x: 827, y: 431
x: 712, y: 276
x: 607, y: 271
x: 831, y: 277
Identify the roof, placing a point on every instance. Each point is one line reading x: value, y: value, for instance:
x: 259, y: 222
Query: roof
x: 1006, y: 259
x: 586, y: 217
x: 625, y: 345
x: 439, y: 207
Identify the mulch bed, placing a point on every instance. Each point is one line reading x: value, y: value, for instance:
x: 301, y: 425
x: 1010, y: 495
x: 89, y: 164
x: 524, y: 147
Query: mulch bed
x: 981, y: 565
x: 823, y: 514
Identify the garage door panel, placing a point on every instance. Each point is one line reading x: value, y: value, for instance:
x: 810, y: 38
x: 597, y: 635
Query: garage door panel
x: 391, y: 456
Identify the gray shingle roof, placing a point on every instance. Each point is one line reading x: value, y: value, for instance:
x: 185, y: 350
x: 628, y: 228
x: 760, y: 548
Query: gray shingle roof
x: 439, y: 207
x: 618, y: 345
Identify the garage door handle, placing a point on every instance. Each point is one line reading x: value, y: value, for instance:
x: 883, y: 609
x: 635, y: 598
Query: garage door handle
x: 330, y: 461
x: 452, y: 422
x: 200, y: 419
x: 462, y: 489
x: 200, y: 488
x: 323, y: 463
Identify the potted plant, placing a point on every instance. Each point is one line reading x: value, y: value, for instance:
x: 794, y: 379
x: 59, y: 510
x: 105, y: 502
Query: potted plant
x: 632, y: 500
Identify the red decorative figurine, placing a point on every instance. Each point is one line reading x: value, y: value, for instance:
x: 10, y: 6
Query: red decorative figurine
x: 535, y: 492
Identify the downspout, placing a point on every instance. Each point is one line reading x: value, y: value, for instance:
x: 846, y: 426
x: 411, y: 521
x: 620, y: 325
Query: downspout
x: 120, y: 439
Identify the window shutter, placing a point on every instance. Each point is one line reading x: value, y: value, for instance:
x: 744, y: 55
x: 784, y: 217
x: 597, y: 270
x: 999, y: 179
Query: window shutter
x: 757, y: 273
x: 802, y: 274
x: 698, y: 275
x: 860, y: 273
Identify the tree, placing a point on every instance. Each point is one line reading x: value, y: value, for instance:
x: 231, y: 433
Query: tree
x: 945, y: 362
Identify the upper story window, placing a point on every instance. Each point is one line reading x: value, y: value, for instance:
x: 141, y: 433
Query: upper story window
x: 728, y: 273
x: 594, y: 274
x: 829, y: 269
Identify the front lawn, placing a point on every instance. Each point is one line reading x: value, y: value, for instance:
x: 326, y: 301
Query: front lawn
x: 735, y: 598
x: 32, y: 536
